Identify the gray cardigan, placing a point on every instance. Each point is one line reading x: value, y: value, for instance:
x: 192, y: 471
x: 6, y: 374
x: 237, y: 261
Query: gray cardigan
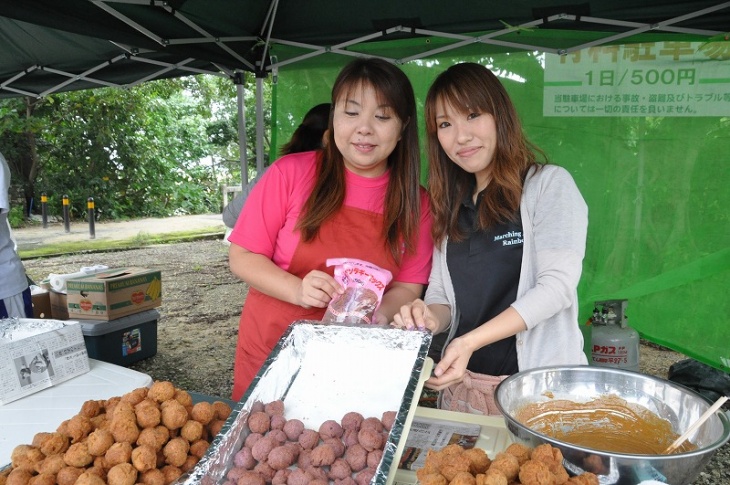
x: 555, y: 223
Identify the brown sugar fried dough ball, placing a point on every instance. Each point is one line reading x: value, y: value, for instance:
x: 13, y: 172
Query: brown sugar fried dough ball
x: 203, y: 412
x: 155, y: 437
x: 78, y: 428
x: 144, y: 458
x: 339, y: 470
x: 259, y: 422
x: 51, y: 465
x: 260, y: 450
x: 507, y: 464
x: 281, y: 477
x: 364, y: 477
x: 277, y: 422
x: 118, y: 453
x: 357, y: 457
x: 78, y: 455
x: 68, y: 475
x: 222, y: 410
x: 89, y: 478
x: 124, y: 429
x: 161, y: 391
x: 152, y: 477
x: 373, y: 423
x: 278, y: 435
x: 521, y: 451
x: 147, y: 414
x: 251, y: 439
x: 299, y: 476
x: 171, y: 473
x: 535, y: 472
x: 19, y: 476
x: 174, y: 415
x: 192, y: 430
x: 280, y: 457
x: 330, y: 429
x: 352, y: 420
x: 478, y: 460
x: 175, y: 451
x: 370, y: 439
x: 308, y: 439
x: 274, y: 407
x: 199, y: 448
x: 374, y: 458
x: 122, y: 474
x: 244, y: 459
x: 99, y: 441
x: 337, y: 445
x: 388, y: 419
x: 293, y: 428
x: 265, y: 471
x: 350, y: 437
x: 323, y: 455
x: 432, y: 479
x: 250, y: 478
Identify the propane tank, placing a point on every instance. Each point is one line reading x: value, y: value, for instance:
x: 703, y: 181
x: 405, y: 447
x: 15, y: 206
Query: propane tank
x: 614, y: 343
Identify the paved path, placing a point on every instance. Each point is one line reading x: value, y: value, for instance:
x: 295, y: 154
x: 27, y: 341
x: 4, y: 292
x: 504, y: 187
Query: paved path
x: 35, y: 235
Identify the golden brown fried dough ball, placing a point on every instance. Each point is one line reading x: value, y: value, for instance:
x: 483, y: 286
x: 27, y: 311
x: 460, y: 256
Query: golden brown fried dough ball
x: 222, y: 410
x: 54, y: 444
x: 152, y: 477
x: 78, y: 428
x: 174, y: 415
x: 215, y: 427
x: 19, y: 476
x: 453, y: 465
x: 144, y: 458
x: 155, y: 437
x: 175, y: 451
x: 535, y: 472
x: 585, y: 478
x: 147, y: 414
x: 39, y: 438
x: 431, y: 479
x: 171, y: 473
x: 203, y: 412
x: 463, y: 478
x: 63, y: 427
x: 492, y: 477
x: 124, y: 429
x: 161, y: 391
x: 90, y: 478
x: 100, y: 421
x: 189, y: 464
x: 50, y: 465
x: 43, y: 479
x: 274, y: 407
x: 123, y: 410
x: 199, y: 448
x: 78, y: 455
x: 507, y: 464
x: 99, y: 441
x: 546, y: 452
x: 110, y: 403
x: 122, y: 474
x: 91, y: 408
x: 135, y: 396
x: 68, y: 475
x: 192, y: 431
x: 26, y: 457
x: 520, y: 451
x: 478, y: 460
x: 118, y: 453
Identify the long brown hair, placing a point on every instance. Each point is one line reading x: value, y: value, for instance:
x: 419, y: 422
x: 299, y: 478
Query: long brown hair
x: 309, y: 133
x: 402, y: 200
x: 472, y: 88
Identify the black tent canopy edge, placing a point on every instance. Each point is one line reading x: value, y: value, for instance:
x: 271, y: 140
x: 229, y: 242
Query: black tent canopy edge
x: 54, y: 46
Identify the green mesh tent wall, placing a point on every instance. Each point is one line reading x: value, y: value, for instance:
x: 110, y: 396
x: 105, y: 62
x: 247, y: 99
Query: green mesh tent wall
x: 645, y: 131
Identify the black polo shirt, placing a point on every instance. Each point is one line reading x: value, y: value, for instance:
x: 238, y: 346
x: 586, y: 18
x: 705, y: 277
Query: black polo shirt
x: 485, y: 271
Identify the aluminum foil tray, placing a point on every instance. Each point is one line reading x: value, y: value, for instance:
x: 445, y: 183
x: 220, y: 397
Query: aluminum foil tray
x: 321, y: 372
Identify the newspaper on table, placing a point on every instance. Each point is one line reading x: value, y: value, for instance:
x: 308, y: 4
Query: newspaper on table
x: 434, y: 434
x: 36, y: 354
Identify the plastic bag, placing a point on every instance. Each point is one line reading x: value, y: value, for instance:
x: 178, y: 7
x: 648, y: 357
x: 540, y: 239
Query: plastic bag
x: 364, y: 285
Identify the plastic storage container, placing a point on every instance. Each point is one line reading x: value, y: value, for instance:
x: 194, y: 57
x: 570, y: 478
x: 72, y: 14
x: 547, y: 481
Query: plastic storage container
x: 122, y: 341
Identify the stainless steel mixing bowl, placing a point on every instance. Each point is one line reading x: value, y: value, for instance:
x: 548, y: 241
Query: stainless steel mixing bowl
x: 679, y: 405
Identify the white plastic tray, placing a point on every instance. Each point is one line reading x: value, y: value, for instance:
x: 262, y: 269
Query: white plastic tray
x: 46, y: 410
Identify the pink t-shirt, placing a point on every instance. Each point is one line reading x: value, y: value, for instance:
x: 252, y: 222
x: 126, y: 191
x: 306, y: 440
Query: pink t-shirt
x: 270, y: 214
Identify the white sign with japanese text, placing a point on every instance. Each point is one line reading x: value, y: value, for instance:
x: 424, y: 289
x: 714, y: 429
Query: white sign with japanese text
x: 647, y: 79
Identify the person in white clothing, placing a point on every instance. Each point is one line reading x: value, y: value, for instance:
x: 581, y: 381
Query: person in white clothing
x: 15, y: 299
x: 510, y: 235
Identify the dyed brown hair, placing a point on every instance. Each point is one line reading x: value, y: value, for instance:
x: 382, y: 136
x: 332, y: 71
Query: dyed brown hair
x: 402, y: 200
x: 472, y: 88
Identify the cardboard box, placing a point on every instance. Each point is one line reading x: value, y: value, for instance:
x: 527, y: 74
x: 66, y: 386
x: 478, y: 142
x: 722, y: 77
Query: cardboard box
x: 113, y: 293
x: 59, y: 305
x: 122, y: 341
x: 41, y: 305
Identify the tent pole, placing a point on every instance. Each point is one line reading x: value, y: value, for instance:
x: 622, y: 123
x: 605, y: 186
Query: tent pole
x: 242, y: 140
x: 259, y: 126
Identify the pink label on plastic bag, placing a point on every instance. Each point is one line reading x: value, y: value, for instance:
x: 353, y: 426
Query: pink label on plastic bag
x: 364, y: 285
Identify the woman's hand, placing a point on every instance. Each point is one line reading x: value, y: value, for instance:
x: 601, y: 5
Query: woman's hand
x: 416, y: 315
x: 452, y: 366
x: 317, y: 289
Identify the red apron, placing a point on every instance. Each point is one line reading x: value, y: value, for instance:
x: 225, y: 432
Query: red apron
x: 351, y: 233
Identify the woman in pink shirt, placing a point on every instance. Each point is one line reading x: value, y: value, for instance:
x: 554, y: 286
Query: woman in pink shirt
x: 359, y: 197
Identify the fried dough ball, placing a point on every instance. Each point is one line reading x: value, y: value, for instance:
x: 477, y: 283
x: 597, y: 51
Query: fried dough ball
x: 330, y: 429
x: 278, y: 435
x: 175, y: 451
x: 261, y: 449
x: 281, y: 457
x: 19, y: 476
x: 26, y: 457
x: 43, y: 479
x: 89, y: 478
x: 192, y: 430
x: 78, y: 455
x: 122, y: 474
x: 68, y: 475
x: 161, y: 391
x: 244, y: 459
x: 215, y: 427
x: 39, y: 438
x: 190, y: 462
x: 203, y: 412
x: 91, y: 408
x: 51, y: 465
x: 547, y: 452
x: 54, y: 444
x: 78, y: 428
x: 370, y: 438
x: 388, y: 419
x: 251, y: 439
x: 199, y: 448
x: 478, y: 460
x: 520, y: 451
x: 63, y: 427
x: 492, y: 477
x: 147, y: 414
x: 174, y: 414
x: 337, y: 445
x: 308, y: 439
x: 118, y: 453
x: 507, y: 464
x: 454, y: 465
x: 585, y: 478
x: 274, y: 407
x: 350, y: 437
x: 152, y: 477
x: 293, y: 428
x: 123, y: 410
x: 535, y: 472
x: 339, y: 470
x: 171, y: 473
x: 324, y: 455
x: 250, y: 478
x: 352, y: 420
x: 357, y: 457
x: 155, y: 437
x: 183, y: 397
x: 222, y: 410
x: 431, y: 479
x: 463, y: 478
x: 259, y: 422
x: 99, y: 441
x: 136, y: 396
x: 364, y: 477
x: 100, y: 421
x: 374, y: 458
x: 281, y: 477
x: 372, y: 423
x: 124, y: 429
x: 277, y: 422
x: 110, y: 403
x: 144, y: 458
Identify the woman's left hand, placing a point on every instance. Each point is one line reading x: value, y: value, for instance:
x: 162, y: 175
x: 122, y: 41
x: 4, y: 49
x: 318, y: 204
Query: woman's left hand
x: 452, y: 366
